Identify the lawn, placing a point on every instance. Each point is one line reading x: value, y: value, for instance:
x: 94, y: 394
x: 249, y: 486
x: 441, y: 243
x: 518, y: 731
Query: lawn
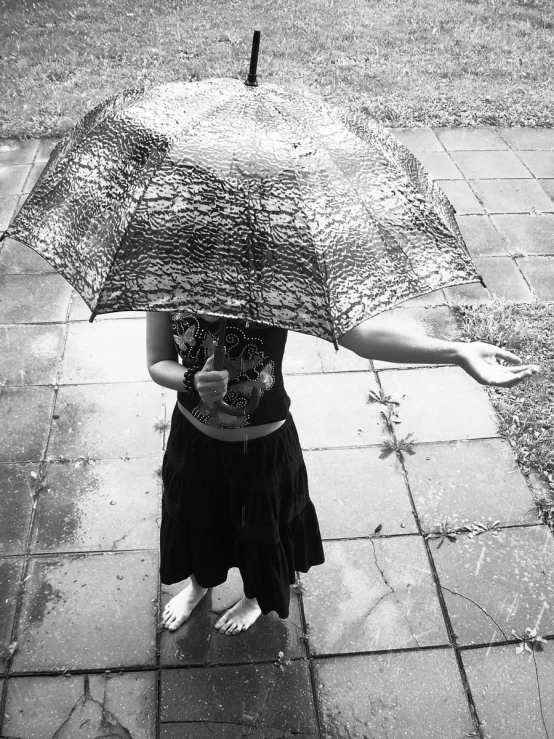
x: 404, y: 62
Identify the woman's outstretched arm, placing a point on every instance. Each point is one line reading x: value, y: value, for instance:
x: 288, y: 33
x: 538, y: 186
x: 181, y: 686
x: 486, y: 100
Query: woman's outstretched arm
x: 392, y: 342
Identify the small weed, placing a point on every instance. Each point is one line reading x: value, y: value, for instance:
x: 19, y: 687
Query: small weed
x: 530, y: 641
x: 442, y: 532
x: 161, y: 425
x: 84, y: 460
x: 400, y: 446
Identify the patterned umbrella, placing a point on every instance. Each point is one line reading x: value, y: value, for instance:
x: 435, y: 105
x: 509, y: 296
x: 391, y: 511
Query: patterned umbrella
x: 241, y: 200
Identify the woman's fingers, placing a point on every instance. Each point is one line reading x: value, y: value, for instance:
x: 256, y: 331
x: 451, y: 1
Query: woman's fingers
x: 506, y: 355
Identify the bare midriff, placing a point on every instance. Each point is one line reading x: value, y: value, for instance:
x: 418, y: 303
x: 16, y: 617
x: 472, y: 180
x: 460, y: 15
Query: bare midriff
x: 248, y: 432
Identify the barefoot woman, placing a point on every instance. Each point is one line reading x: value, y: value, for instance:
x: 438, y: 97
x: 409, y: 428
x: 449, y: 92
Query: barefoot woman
x: 235, y: 488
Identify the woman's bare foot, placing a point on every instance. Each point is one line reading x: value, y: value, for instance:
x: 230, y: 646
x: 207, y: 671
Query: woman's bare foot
x: 182, y: 605
x: 240, y: 617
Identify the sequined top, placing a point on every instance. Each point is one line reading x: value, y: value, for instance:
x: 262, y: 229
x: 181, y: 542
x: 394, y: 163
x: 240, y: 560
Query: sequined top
x: 254, y: 355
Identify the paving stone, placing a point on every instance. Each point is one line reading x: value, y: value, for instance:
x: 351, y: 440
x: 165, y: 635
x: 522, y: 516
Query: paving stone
x: 308, y: 354
x: 259, y: 696
x: 541, y: 163
x: 528, y: 138
x: 383, y: 597
x: 503, y: 279
x: 10, y: 576
x: 548, y: 187
x: 481, y: 237
x: 412, y: 694
x: 25, y: 414
x: 196, y: 642
x: 439, y: 165
x: 30, y: 354
x: 8, y: 205
x: 470, y: 294
x: 468, y: 481
x: 16, y: 504
x: 34, y: 174
x: 354, y: 492
x: 434, y: 297
x: 13, y: 178
x: 18, y: 151
x: 106, y: 505
x: 33, y: 298
x: 461, y: 196
x: 108, y: 421
x: 440, y: 404
x: 488, y: 165
x: 46, y: 146
x: 418, y: 139
x: 438, y: 322
x: 16, y: 259
x: 80, y: 311
x: 527, y: 234
x: 512, y: 196
x: 65, y: 625
x: 83, y: 706
x: 332, y: 410
x: 539, y: 273
x: 107, y: 351
x: 470, y: 139
x: 505, y: 688
x: 497, y: 582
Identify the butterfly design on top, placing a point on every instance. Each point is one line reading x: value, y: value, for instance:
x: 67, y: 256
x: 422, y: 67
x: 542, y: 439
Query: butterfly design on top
x: 187, y: 339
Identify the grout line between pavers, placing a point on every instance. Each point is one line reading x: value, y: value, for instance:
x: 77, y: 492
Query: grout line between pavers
x: 440, y: 596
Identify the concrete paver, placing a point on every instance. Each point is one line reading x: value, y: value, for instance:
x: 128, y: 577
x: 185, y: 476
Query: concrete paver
x: 197, y: 643
x: 42, y: 707
x: 17, y: 259
x: 527, y: 234
x: 31, y: 353
x: 33, y: 298
x: 411, y: 694
x: 354, y: 492
x: 107, y: 421
x: 25, y: 414
x: 489, y: 165
x: 96, y: 524
x: 332, y: 410
x: 383, y: 597
x: 439, y: 404
x: 106, y: 505
x: 277, y: 697
x: 10, y: 575
x: 470, y: 139
x: 481, y: 236
x: 512, y: 196
x: 65, y: 625
x: 500, y: 677
x: 538, y: 273
x: 16, y: 503
x: 468, y: 481
x: 497, y: 582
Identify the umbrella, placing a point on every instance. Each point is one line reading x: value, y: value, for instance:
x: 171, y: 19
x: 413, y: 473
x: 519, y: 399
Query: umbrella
x: 245, y: 201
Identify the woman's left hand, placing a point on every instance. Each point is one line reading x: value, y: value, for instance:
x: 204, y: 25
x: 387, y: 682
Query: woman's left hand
x: 481, y: 361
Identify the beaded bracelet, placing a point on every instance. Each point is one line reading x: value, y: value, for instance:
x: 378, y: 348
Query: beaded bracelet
x: 188, y: 380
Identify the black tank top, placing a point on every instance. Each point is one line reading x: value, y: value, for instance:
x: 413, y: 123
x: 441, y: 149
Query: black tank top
x: 254, y: 357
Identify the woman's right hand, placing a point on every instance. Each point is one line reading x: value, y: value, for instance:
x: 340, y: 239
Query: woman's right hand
x: 211, y: 384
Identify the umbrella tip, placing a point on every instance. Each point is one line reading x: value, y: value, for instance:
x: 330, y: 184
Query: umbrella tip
x: 251, y: 80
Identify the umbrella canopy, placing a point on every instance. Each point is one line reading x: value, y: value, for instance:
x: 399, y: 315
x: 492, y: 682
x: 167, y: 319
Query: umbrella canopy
x: 241, y: 201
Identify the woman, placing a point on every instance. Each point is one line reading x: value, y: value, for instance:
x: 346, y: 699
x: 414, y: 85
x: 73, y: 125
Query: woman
x: 235, y: 488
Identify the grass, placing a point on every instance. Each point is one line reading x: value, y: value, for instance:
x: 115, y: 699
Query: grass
x: 525, y: 412
x: 404, y: 62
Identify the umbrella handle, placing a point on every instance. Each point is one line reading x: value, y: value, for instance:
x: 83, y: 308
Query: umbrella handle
x: 219, y: 356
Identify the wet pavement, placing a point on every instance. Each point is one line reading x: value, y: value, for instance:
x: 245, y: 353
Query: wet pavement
x: 436, y: 565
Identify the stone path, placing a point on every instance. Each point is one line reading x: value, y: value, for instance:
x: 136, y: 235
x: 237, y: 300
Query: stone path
x: 398, y: 634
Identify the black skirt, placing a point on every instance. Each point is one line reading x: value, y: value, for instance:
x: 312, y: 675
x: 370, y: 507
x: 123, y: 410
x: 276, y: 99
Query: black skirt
x: 230, y: 504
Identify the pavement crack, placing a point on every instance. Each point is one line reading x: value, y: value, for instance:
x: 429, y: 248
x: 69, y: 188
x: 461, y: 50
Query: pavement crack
x: 454, y: 592
x: 539, y: 695
x: 128, y: 533
x: 393, y: 593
